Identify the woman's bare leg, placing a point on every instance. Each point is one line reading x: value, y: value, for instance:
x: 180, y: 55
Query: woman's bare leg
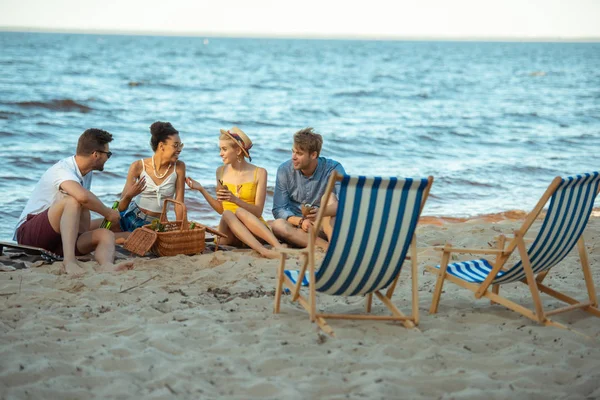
x: 224, y: 228
x: 257, y: 227
x: 242, y: 233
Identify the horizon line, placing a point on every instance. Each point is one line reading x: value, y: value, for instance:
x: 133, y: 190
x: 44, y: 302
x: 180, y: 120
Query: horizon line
x: 311, y: 36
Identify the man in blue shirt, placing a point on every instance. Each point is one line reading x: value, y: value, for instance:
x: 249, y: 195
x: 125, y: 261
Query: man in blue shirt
x: 302, y: 180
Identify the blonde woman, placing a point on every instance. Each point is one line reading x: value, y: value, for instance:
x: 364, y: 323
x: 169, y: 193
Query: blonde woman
x: 241, y: 194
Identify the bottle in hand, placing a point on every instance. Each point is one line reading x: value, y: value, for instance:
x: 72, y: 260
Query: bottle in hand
x: 106, y: 224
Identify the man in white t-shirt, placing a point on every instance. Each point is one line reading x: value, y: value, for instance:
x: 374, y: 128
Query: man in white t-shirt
x: 57, y: 215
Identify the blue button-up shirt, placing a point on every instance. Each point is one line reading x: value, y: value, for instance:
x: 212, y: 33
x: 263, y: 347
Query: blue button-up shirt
x: 292, y: 188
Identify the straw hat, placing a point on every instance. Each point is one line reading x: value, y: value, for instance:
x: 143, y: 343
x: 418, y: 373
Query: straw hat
x: 239, y: 137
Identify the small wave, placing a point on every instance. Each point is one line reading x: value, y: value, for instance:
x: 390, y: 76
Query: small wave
x: 530, y: 169
x: 384, y: 77
x: 521, y: 115
x: 56, y: 105
x: 312, y: 112
x: 357, y: 93
x: 426, y: 138
x: 461, y: 134
x: 467, y: 182
x: 264, y: 123
x: 8, y: 114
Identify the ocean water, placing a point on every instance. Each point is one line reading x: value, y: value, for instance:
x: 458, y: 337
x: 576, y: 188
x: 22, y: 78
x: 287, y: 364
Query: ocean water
x: 492, y: 122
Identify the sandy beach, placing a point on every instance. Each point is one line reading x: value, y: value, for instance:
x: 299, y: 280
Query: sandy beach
x: 203, y: 327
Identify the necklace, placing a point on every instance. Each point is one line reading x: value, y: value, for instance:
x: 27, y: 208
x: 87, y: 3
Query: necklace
x: 155, y: 173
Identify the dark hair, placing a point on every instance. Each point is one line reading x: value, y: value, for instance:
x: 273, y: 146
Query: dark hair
x: 160, y: 132
x: 308, y: 140
x: 92, y: 140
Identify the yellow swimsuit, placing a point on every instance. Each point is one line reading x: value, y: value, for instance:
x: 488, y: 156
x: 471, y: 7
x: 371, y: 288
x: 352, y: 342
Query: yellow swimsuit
x: 244, y: 191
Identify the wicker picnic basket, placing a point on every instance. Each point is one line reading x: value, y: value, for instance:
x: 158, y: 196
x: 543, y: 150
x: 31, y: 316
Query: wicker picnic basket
x: 178, y: 237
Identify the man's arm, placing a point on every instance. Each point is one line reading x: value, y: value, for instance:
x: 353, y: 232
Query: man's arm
x: 281, y: 196
x: 89, y: 200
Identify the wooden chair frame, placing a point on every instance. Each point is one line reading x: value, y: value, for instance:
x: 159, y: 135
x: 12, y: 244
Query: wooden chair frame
x: 310, y: 303
x: 535, y: 284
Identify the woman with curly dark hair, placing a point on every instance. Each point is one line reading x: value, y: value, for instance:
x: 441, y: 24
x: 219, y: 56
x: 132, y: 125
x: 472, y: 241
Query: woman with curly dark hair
x: 152, y: 180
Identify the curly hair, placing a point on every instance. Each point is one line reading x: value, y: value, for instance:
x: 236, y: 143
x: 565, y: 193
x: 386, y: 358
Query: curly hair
x: 160, y: 133
x: 92, y: 140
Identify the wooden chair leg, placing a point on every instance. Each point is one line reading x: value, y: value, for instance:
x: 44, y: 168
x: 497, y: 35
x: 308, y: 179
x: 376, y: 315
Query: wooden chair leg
x: 415, y: 280
x: 495, y: 290
x: 437, y: 293
x: 368, y: 302
x: 535, y: 293
x: 587, y: 274
x: 541, y: 276
x: 312, y: 284
x: 279, y: 287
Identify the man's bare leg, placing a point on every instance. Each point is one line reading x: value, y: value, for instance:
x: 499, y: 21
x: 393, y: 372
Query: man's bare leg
x: 64, y: 217
x: 329, y: 222
x: 288, y: 233
x: 102, y: 243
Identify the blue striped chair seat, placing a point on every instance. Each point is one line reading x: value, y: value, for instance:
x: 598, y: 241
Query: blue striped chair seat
x: 474, y: 271
x: 569, y: 211
x: 374, y: 225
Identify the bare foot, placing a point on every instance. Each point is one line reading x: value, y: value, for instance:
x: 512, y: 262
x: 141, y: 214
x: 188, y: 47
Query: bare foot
x: 72, y: 268
x: 123, y: 266
x: 270, y: 253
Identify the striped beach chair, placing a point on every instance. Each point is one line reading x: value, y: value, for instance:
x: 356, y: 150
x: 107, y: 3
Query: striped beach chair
x: 373, y: 230
x: 571, y: 203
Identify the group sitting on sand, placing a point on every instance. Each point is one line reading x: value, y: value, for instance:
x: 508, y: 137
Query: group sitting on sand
x: 57, y: 216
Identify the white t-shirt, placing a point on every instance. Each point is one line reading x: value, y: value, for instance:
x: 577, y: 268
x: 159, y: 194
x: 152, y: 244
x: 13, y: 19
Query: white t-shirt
x: 47, y: 190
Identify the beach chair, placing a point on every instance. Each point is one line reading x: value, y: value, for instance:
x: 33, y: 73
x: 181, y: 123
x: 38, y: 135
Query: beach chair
x: 571, y: 203
x: 373, y: 230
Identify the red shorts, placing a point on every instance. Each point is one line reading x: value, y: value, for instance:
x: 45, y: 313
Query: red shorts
x: 36, y: 231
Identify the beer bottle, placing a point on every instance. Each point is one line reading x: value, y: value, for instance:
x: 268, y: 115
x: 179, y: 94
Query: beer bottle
x: 106, y: 224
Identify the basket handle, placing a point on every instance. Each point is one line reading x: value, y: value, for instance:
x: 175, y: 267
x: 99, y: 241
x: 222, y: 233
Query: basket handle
x: 163, y: 216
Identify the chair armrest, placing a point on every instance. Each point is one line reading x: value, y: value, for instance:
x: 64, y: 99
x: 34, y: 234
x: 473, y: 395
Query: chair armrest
x: 469, y: 251
x: 511, y: 236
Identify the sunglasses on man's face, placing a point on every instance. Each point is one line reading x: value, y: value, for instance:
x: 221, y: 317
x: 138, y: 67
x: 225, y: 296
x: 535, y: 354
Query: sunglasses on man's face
x: 108, y: 153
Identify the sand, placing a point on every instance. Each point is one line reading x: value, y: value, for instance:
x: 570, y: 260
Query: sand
x: 203, y: 327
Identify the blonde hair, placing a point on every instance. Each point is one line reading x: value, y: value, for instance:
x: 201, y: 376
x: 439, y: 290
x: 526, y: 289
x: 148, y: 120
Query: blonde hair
x: 228, y: 138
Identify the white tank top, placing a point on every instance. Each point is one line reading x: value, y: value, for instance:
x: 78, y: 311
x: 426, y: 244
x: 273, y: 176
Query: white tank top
x: 153, y: 195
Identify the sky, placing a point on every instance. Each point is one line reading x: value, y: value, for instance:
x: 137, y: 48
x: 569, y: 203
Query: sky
x: 525, y: 19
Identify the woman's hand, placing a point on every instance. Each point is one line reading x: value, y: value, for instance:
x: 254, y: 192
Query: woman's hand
x: 194, y: 185
x: 137, y: 188
x: 224, y: 194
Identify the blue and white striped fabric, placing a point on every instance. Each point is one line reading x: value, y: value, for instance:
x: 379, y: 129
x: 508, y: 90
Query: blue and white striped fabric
x: 375, y: 223
x: 568, y: 214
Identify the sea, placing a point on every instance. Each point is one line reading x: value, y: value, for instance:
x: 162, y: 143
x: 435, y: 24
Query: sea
x: 492, y: 122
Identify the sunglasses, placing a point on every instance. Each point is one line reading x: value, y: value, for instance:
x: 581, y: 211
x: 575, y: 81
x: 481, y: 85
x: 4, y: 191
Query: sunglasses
x: 108, y: 153
x: 176, y: 145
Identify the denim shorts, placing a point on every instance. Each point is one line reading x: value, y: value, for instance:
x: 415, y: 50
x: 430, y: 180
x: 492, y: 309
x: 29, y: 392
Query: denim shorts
x: 134, y: 218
